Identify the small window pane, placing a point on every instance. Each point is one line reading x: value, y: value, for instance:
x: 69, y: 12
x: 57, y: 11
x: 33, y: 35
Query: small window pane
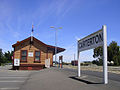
x: 23, y: 58
x: 37, y: 53
x: 37, y: 58
x: 24, y: 53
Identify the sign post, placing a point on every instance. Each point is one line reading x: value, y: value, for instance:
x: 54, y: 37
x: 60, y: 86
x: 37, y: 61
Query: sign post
x: 94, y: 40
x: 60, y: 61
x: 105, y: 54
x: 79, y: 71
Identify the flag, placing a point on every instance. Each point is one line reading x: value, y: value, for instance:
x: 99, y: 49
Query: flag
x: 32, y: 28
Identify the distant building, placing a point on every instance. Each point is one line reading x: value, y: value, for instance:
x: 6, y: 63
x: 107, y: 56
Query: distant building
x: 74, y: 63
x: 32, y: 54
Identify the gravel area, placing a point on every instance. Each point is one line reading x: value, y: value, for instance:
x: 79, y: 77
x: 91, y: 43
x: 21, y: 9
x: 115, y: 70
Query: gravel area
x: 6, y: 67
x: 112, y: 69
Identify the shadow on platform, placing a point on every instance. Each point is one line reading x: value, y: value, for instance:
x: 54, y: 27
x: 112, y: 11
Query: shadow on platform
x: 82, y: 80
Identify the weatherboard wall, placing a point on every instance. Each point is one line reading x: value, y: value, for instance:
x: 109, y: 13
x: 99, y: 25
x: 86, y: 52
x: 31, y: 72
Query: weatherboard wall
x: 44, y: 54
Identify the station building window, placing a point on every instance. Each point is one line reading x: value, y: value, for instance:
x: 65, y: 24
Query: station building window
x: 23, y: 55
x: 37, y: 56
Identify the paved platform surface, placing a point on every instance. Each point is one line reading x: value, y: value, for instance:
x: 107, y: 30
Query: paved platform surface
x: 54, y: 79
x: 13, y: 80
x: 61, y: 79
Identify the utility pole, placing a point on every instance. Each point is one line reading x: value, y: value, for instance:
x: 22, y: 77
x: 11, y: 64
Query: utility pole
x: 56, y: 29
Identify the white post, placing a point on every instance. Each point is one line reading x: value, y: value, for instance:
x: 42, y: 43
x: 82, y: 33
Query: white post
x: 79, y: 74
x: 55, y: 47
x: 74, y: 59
x: 105, y: 55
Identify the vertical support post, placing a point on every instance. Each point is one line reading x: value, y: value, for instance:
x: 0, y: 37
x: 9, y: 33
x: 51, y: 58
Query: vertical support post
x: 74, y: 59
x: 56, y: 47
x: 78, y: 57
x: 62, y: 62
x: 105, y: 73
x: 56, y: 42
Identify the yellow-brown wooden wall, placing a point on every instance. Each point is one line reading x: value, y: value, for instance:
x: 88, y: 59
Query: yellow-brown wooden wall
x: 32, y: 48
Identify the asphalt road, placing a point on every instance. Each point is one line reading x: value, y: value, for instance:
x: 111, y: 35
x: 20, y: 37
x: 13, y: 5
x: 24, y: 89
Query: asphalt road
x: 111, y: 76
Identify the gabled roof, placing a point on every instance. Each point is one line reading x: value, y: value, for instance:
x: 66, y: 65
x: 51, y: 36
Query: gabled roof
x: 40, y: 42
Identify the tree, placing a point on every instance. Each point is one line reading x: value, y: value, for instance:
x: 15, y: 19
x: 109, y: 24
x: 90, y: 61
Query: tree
x: 113, y: 53
x: 115, y: 58
x: 119, y: 58
x: 98, y: 52
x: 6, y: 57
x: 2, y: 59
x: 0, y: 55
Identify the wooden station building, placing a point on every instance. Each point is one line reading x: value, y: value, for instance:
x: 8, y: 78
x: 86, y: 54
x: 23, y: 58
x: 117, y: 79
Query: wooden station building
x: 32, y: 54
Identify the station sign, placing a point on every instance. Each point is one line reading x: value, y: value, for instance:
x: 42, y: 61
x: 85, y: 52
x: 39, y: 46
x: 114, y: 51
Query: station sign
x: 91, y: 41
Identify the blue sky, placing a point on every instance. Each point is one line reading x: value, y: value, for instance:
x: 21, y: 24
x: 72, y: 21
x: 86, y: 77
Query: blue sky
x: 77, y: 17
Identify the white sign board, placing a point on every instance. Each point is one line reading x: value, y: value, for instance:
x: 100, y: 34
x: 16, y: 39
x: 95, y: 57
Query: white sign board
x: 47, y: 63
x: 30, y: 54
x: 16, y: 62
x: 91, y: 41
x: 94, y: 40
x: 60, y: 61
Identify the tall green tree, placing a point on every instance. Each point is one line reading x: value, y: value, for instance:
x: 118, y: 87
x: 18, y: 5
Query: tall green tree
x: 1, y: 57
x: 113, y: 53
x: 98, y: 52
x: 6, y: 57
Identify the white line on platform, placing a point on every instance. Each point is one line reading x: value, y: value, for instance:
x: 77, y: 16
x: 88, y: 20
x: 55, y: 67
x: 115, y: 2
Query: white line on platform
x: 13, y: 77
x: 13, y: 88
x: 12, y: 81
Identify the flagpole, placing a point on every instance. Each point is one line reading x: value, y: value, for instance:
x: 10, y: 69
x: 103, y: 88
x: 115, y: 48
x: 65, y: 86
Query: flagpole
x: 32, y: 33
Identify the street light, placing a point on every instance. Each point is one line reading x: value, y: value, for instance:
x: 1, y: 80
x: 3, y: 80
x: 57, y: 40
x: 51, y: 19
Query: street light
x: 56, y: 41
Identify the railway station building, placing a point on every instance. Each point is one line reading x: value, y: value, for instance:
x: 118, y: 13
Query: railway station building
x: 32, y: 54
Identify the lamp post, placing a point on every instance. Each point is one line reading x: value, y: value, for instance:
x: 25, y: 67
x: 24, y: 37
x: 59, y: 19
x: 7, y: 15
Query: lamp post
x: 56, y: 41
